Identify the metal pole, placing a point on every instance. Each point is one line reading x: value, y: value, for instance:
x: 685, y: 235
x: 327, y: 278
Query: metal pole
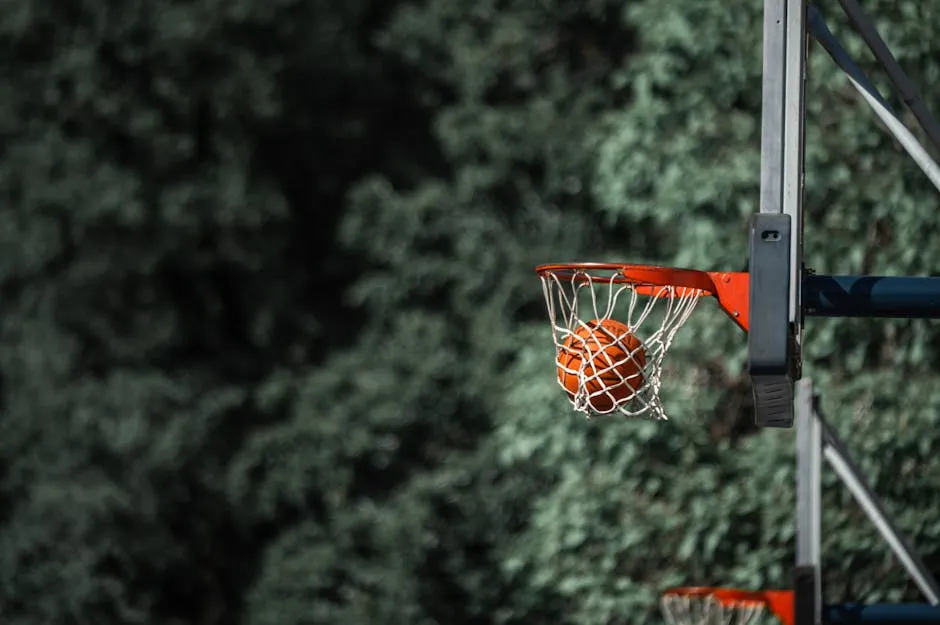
x: 882, y: 614
x: 781, y: 154
x: 872, y: 296
x: 870, y: 94
x: 808, y: 583
x: 896, y: 75
x: 839, y: 459
x: 793, y: 154
x: 772, y: 107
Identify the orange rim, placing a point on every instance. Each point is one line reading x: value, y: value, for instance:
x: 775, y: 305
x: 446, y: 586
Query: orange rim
x: 692, y: 591
x: 780, y: 602
x: 731, y: 289
x: 640, y: 275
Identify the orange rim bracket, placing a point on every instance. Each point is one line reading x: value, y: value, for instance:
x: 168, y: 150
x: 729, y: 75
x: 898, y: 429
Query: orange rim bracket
x: 733, y: 292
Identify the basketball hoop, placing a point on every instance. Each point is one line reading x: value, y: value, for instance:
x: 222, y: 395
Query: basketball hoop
x: 613, y: 323
x: 724, y: 606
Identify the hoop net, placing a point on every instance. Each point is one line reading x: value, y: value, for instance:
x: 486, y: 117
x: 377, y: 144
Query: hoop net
x: 724, y: 606
x: 652, y: 313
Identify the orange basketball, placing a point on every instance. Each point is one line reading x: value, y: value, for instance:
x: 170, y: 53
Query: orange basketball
x: 613, y: 360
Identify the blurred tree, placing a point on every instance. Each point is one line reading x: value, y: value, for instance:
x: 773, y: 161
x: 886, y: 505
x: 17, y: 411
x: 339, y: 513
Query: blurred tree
x: 171, y: 177
x: 271, y: 347
x: 403, y: 416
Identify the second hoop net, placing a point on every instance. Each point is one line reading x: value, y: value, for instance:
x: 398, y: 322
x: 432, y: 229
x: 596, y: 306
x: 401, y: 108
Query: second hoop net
x: 724, y: 606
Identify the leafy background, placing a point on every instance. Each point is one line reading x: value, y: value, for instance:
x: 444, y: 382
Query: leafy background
x: 271, y: 347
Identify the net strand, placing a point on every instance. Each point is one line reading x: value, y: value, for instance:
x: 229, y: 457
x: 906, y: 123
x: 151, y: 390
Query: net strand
x: 565, y: 297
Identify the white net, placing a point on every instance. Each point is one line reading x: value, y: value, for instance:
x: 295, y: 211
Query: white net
x: 608, y: 367
x: 707, y: 609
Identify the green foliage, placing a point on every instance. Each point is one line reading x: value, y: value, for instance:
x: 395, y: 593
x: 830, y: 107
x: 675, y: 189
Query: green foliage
x: 272, y: 350
x: 357, y: 570
x: 158, y: 235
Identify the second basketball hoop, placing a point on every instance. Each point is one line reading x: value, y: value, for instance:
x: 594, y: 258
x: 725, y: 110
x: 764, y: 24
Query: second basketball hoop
x: 612, y: 325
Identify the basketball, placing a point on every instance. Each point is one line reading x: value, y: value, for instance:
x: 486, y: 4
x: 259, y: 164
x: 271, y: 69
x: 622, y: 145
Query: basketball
x: 612, y: 359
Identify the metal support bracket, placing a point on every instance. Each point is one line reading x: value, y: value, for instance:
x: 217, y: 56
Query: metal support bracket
x: 816, y: 440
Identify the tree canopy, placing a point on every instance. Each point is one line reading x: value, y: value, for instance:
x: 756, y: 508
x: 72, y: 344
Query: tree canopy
x: 272, y: 351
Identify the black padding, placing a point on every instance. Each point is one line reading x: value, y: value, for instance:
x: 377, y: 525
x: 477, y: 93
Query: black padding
x: 769, y: 337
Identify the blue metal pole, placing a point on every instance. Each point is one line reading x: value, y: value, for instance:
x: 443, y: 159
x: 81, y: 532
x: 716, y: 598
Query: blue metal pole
x: 871, y: 296
x: 882, y: 614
